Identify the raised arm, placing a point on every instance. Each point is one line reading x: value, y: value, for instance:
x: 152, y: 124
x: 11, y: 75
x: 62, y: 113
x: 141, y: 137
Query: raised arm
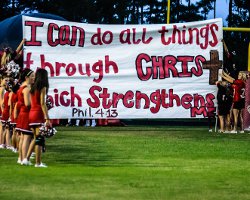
x: 227, y: 77
x: 20, y: 46
x: 225, y: 48
x: 3, y: 59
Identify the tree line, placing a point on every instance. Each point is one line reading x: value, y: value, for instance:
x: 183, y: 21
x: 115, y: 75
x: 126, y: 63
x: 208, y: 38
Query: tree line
x: 140, y: 12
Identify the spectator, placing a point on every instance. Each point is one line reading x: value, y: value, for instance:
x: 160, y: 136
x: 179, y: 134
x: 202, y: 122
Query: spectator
x: 224, y: 99
x: 238, y: 98
x: 93, y: 123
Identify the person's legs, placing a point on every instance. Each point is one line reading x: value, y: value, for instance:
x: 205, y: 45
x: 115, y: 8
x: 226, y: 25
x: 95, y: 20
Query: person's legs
x: 17, y: 139
x: 2, y: 136
x: 87, y: 122
x: 8, y: 137
x: 31, y: 148
x: 231, y: 115
x: 69, y: 123
x: 228, y: 122
x: 14, y: 139
x: 93, y: 123
x: 221, y: 118
x: 20, y: 158
x: 25, y: 147
x: 241, y: 121
x: 38, y: 149
x: 235, y: 115
x: 32, y: 145
x: 77, y: 122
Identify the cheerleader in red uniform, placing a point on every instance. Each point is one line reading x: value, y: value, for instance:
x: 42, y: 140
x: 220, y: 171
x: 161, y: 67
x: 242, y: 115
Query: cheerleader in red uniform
x: 12, y: 102
x: 39, y: 112
x: 6, y: 114
x: 2, y: 91
x: 1, y: 144
x: 27, y: 78
x: 238, y: 98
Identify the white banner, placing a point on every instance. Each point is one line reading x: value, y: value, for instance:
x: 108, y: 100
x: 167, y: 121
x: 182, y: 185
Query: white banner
x: 127, y: 71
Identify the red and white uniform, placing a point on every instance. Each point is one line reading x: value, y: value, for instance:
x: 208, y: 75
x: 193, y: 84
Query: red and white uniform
x: 23, y: 117
x: 6, y: 109
x: 1, y: 112
x: 36, y: 116
x: 239, y: 90
x: 13, y: 103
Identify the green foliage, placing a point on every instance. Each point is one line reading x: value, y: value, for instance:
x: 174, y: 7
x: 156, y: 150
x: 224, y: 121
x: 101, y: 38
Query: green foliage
x: 141, y: 12
x: 133, y: 11
x: 133, y: 163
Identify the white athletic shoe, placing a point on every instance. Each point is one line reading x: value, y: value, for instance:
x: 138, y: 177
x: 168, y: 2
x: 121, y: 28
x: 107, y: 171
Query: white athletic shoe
x: 242, y: 131
x: 26, y: 162
x: 42, y: 165
x: 8, y: 147
x: 233, y: 131
x: 32, y: 156
x: 19, y: 161
x: 14, y: 150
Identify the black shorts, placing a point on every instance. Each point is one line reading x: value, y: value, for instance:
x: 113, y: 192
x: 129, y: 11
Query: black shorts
x: 27, y: 133
x: 239, y: 104
x: 223, y: 110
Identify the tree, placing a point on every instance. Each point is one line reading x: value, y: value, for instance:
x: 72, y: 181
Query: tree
x: 139, y: 12
x: 205, y: 7
x: 9, y: 8
x: 239, y: 41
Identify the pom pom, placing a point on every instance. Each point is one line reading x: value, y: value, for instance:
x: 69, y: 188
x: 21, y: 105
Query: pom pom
x: 49, y: 103
x: 12, y: 69
x: 47, y: 131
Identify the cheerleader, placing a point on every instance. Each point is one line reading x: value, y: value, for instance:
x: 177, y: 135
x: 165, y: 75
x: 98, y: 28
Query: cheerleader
x: 1, y: 144
x: 238, y: 98
x: 23, y: 105
x: 2, y: 91
x: 224, y: 99
x: 12, y: 102
x: 6, y: 114
x: 39, y: 112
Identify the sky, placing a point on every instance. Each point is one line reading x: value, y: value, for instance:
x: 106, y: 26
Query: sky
x: 221, y: 11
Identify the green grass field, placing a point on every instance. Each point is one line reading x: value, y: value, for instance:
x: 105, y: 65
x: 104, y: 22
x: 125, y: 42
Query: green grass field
x: 133, y: 162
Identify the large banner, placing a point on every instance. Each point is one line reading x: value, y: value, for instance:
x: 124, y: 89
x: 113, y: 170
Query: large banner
x: 127, y: 71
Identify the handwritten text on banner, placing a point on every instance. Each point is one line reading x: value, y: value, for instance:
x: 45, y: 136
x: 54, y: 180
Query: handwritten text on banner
x: 126, y: 71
